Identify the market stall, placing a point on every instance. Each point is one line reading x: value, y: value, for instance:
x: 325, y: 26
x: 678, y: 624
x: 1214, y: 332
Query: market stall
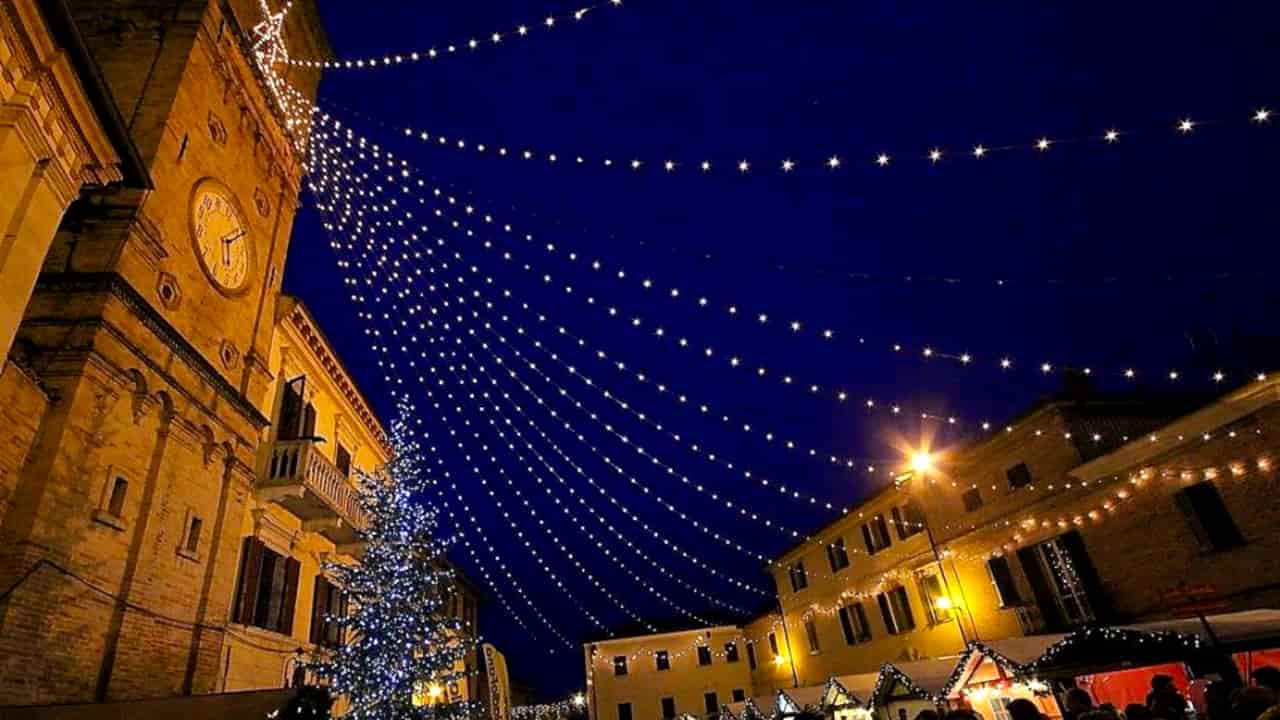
x: 847, y: 696
x: 989, y: 676
x: 903, y: 690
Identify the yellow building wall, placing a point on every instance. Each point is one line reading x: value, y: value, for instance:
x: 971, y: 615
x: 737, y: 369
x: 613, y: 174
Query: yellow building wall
x: 644, y: 685
x: 901, y: 564
x: 254, y: 657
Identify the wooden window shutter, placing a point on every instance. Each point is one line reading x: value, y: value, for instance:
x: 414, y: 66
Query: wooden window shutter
x: 1030, y: 560
x: 250, y: 578
x: 1002, y: 576
x: 1201, y: 504
x: 900, y: 523
x: 866, y: 538
x: 289, y: 596
x: 1073, y: 542
x: 309, y: 421
x: 319, y: 611
x: 887, y: 613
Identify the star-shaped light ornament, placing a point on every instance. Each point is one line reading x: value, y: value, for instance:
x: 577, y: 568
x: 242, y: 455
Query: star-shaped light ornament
x: 268, y: 45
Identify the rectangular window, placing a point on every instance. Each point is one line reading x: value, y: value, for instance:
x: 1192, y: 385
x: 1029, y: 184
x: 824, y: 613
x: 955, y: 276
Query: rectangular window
x: 1065, y: 584
x: 846, y: 626
x: 663, y: 659
x: 739, y: 694
x: 668, y: 708
x: 704, y: 655
x: 908, y: 519
x: 1002, y: 578
x: 327, y: 605
x: 192, y: 543
x: 972, y: 499
x: 1201, y: 504
x: 875, y: 533
x: 712, y: 703
x: 342, y: 459
x: 624, y: 711
x: 811, y: 632
x: 115, y: 503
x: 620, y: 666
x: 937, y: 603
x: 751, y: 655
x: 1000, y: 708
x: 290, y: 423
x: 799, y: 579
x: 267, y: 588
x: 861, y: 627
x: 896, y: 610
x: 731, y: 652
x: 838, y: 555
x: 1019, y: 476
x: 773, y: 643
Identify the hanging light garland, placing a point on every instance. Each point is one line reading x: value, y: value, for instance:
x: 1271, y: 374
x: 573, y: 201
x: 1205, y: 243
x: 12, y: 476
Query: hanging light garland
x: 325, y: 159
x: 564, y: 393
x: 384, y: 349
x: 834, y: 164
x: 549, y: 22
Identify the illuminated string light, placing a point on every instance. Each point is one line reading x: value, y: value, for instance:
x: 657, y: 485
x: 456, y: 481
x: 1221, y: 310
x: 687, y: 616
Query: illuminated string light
x: 392, y: 60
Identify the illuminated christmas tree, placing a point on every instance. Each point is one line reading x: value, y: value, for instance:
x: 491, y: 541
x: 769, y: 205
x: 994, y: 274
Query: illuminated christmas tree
x: 403, y: 648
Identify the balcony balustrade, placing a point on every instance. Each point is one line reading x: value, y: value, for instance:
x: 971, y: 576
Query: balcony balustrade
x: 303, y: 481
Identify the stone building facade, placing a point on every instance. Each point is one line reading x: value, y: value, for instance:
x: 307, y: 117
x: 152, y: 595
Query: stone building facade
x: 136, y: 379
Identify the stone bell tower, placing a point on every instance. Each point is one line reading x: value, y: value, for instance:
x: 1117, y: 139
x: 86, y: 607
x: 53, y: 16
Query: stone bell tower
x: 148, y: 332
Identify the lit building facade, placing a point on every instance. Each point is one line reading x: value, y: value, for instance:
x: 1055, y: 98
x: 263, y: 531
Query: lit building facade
x: 1081, y: 511
x: 692, y: 672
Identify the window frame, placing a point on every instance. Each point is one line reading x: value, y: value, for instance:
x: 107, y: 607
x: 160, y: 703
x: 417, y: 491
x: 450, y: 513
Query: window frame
x: 704, y: 656
x: 731, y: 652
x: 672, y: 702
x: 1208, y: 517
x: 752, y: 663
x: 620, y: 668
x: 934, y: 614
x: 1019, y: 482
x: 811, y: 636
x: 973, y: 492
x: 661, y: 660
x: 799, y: 578
x: 838, y: 554
x: 1014, y: 591
x: 628, y: 715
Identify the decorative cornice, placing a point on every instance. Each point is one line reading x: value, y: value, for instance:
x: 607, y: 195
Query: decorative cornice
x: 117, y: 287
x: 319, y: 346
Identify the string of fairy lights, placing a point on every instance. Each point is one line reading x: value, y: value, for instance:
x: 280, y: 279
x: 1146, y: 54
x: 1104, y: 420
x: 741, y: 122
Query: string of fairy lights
x: 324, y: 159
x: 1038, y: 433
x: 578, y: 404
x: 1184, y: 126
x: 547, y: 23
x: 841, y: 396
x: 831, y: 164
x: 508, y: 481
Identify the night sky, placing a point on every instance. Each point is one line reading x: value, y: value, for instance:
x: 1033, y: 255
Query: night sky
x: 1156, y: 252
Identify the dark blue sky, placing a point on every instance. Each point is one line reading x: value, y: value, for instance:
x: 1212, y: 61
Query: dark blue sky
x: 1187, y: 224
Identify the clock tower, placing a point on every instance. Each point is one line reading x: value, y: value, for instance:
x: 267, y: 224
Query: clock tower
x: 149, y: 331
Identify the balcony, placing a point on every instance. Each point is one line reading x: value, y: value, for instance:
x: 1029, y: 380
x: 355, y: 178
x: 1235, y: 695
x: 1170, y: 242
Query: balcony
x: 303, y: 481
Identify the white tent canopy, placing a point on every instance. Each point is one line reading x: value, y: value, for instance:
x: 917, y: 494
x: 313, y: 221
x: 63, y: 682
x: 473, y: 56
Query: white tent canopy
x: 860, y: 685
x: 1237, y: 628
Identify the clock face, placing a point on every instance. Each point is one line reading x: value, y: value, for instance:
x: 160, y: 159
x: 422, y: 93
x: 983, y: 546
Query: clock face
x: 221, y: 236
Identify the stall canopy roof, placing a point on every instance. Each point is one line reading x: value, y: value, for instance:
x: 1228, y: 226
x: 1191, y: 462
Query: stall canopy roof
x: 801, y: 698
x: 1248, y: 627
x: 1023, y: 650
x: 766, y: 704
x: 860, y: 685
x: 735, y: 709
x: 929, y: 675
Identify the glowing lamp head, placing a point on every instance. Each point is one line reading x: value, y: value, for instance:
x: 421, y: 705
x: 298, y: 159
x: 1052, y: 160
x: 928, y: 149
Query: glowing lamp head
x: 944, y: 603
x: 435, y: 691
x: 579, y: 700
x: 921, y: 462
x: 779, y: 660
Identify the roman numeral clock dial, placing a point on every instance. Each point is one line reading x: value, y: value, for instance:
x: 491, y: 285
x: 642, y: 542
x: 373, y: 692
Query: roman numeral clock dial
x: 221, y: 237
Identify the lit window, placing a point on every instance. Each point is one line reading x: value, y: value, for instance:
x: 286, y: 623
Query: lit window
x: 838, y: 555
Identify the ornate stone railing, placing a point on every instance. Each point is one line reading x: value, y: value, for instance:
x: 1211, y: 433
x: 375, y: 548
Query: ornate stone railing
x: 300, y: 462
